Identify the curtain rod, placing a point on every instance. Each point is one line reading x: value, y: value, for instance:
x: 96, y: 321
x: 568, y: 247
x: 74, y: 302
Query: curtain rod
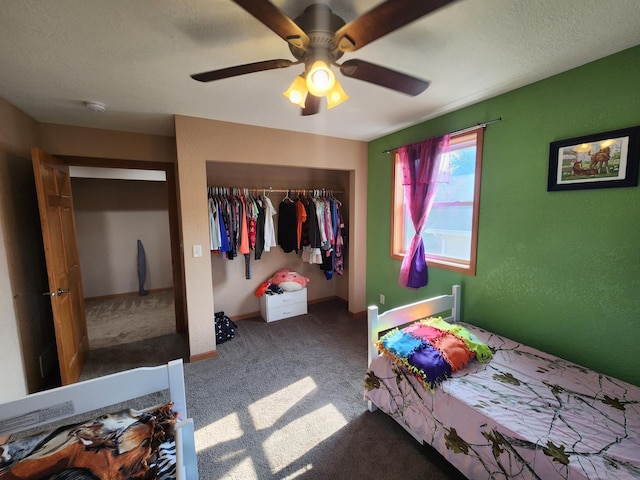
x: 456, y: 132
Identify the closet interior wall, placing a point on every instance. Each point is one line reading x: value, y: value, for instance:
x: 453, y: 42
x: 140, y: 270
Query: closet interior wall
x: 233, y: 292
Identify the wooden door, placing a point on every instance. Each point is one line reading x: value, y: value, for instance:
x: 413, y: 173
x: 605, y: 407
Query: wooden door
x: 53, y: 186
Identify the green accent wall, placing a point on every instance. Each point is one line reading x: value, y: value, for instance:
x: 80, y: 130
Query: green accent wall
x: 559, y: 271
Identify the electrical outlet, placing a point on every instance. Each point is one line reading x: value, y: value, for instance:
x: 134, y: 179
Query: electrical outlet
x: 381, y: 299
x: 197, y: 251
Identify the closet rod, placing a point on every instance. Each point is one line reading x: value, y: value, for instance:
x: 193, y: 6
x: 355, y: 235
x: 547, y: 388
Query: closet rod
x: 284, y: 190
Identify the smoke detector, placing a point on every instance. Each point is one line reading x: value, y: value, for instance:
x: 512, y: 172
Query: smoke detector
x: 95, y: 106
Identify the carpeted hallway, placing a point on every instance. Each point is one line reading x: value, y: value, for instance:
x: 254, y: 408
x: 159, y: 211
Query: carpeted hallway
x: 132, y: 331
x: 284, y: 401
x: 126, y: 319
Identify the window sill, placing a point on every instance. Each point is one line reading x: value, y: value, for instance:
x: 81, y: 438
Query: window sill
x: 453, y: 265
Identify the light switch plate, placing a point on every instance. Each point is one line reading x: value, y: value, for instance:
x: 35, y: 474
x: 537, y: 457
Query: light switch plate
x: 197, y: 251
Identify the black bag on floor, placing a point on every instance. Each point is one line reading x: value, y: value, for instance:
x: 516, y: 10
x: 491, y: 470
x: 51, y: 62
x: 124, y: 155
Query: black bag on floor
x: 225, y: 328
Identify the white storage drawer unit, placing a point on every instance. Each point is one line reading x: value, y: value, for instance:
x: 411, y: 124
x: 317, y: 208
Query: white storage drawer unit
x: 284, y: 305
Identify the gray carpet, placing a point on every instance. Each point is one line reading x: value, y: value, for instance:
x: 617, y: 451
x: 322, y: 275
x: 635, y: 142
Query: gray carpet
x: 132, y: 331
x: 129, y: 318
x: 284, y: 401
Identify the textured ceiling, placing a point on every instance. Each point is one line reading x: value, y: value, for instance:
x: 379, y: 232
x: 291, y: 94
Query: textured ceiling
x: 136, y: 57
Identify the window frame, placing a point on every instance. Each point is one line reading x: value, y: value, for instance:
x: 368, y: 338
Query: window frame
x: 397, y: 209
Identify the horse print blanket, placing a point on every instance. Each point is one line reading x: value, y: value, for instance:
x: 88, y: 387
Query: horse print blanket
x: 125, y: 445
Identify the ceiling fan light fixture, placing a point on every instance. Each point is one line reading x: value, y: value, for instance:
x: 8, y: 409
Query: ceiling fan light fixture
x: 319, y: 37
x: 336, y: 96
x: 320, y: 79
x: 297, y: 91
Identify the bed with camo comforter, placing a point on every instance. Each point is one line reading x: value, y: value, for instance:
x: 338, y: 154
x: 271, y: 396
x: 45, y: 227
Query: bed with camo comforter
x: 515, y: 413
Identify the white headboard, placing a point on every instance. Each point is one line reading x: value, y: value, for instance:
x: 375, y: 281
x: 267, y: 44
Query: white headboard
x: 408, y: 313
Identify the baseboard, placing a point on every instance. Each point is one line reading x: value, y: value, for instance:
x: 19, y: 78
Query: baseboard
x: 126, y: 294
x: 309, y: 302
x: 324, y: 299
x: 362, y: 313
x: 203, y: 356
x: 246, y: 315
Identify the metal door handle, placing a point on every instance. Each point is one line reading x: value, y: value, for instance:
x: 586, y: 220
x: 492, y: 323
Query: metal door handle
x: 58, y: 293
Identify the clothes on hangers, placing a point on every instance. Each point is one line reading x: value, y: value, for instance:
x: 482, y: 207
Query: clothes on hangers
x: 240, y: 221
x: 301, y: 219
x: 321, y: 232
x: 269, y: 226
x: 288, y: 225
x: 260, y: 220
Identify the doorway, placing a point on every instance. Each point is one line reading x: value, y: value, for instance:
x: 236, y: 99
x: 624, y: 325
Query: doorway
x: 116, y: 204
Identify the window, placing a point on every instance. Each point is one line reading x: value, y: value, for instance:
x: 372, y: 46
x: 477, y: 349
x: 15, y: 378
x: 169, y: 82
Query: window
x: 450, y: 235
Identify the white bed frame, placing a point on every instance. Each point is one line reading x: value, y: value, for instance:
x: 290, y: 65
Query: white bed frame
x: 396, y: 317
x: 39, y: 409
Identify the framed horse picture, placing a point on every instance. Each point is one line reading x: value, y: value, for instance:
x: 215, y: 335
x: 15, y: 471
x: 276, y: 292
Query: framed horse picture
x: 602, y: 160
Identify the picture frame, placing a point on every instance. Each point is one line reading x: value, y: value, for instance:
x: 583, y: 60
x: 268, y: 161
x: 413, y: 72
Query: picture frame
x: 602, y: 160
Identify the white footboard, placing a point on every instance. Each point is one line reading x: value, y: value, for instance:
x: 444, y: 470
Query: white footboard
x: 43, y: 408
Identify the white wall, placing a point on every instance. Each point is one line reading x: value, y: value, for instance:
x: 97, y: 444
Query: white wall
x: 20, y: 310
x: 111, y: 215
x: 12, y: 381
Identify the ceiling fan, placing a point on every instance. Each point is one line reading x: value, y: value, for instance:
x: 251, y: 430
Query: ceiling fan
x: 318, y: 38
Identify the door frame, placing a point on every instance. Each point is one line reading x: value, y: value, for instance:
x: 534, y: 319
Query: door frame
x: 177, y: 265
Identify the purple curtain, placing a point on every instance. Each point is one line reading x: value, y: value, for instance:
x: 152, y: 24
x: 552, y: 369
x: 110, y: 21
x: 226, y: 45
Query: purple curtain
x: 421, y: 164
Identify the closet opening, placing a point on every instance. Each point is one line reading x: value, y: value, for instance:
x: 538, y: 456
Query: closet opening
x: 233, y: 292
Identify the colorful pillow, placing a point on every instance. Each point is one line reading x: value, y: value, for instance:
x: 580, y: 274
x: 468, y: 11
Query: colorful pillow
x: 432, y: 349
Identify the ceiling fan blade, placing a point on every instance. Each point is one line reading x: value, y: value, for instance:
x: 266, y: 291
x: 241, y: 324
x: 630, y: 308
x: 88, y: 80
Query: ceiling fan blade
x: 311, y: 105
x: 277, y: 21
x: 241, y: 70
x: 384, y: 77
x: 381, y: 20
